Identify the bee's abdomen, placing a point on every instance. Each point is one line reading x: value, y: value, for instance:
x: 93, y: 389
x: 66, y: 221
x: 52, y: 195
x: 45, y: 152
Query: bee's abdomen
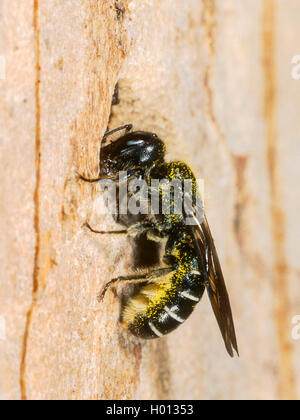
x: 169, y: 315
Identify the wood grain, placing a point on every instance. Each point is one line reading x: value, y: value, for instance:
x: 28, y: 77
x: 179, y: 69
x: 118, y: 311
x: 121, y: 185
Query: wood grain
x: 213, y: 79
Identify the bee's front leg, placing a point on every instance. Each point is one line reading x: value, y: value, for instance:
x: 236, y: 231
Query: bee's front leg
x: 91, y: 181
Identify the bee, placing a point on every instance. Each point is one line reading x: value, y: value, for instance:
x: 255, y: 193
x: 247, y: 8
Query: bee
x: 167, y: 295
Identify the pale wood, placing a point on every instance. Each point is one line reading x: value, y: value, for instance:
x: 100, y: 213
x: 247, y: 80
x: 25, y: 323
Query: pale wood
x: 213, y: 79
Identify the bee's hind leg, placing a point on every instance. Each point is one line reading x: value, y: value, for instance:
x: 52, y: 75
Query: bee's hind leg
x: 129, y: 279
x: 151, y: 276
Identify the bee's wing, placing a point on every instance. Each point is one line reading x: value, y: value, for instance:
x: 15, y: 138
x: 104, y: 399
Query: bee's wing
x: 215, y: 284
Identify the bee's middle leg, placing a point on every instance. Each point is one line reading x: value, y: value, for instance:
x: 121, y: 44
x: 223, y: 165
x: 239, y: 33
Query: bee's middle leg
x: 108, y: 232
x: 132, y: 231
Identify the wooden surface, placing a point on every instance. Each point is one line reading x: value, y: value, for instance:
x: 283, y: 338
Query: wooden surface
x: 214, y: 79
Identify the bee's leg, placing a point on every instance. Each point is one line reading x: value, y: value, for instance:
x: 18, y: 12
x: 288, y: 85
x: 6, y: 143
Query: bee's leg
x: 90, y: 180
x: 152, y: 276
x: 129, y: 279
x: 132, y: 231
x: 126, y: 127
x: 109, y: 232
x: 148, y: 228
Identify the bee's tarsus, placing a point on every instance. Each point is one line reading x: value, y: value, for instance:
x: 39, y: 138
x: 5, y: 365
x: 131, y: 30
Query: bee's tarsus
x: 100, y: 297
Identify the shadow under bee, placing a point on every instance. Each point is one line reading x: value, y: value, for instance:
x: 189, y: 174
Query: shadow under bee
x: 146, y: 254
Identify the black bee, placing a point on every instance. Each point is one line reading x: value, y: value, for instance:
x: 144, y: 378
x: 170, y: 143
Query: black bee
x: 167, y: 295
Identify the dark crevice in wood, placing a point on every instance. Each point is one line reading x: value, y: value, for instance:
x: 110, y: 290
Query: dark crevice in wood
x: 36, y: 198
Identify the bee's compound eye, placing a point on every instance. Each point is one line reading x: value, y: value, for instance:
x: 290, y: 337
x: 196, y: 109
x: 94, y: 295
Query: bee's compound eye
x: 154, y: 135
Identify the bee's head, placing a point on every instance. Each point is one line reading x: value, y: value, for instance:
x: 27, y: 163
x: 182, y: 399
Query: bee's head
x: 132, y: 151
